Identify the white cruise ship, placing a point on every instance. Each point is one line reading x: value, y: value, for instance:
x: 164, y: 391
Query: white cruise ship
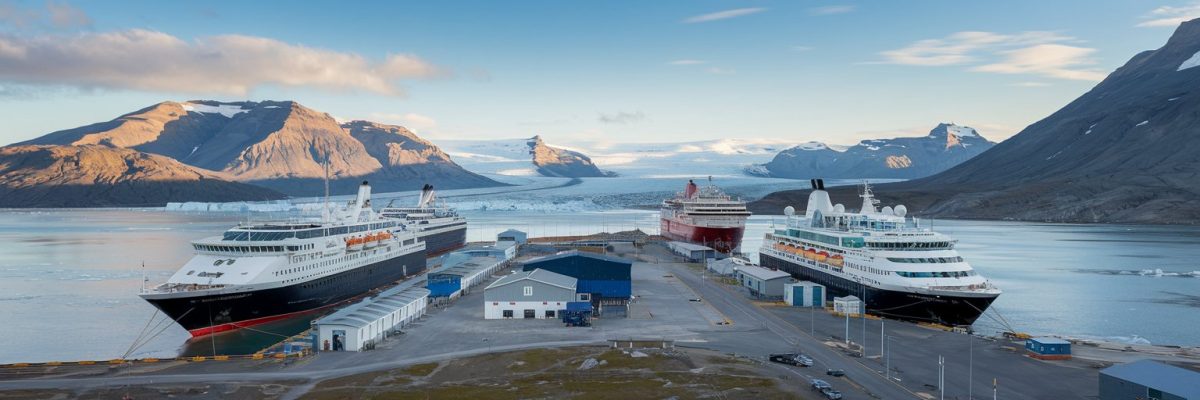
x: 257, y: 273
x: 438, y: 225
x: 899, y: 269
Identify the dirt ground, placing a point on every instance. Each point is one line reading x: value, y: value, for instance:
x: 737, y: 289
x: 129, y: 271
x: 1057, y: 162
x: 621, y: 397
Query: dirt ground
x: 556, y: 374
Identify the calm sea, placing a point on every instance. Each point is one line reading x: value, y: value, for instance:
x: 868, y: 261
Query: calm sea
x: 69, y: 278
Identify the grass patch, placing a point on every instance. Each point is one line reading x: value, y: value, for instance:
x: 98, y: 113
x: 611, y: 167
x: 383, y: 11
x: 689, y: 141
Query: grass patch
x: 419, y: 370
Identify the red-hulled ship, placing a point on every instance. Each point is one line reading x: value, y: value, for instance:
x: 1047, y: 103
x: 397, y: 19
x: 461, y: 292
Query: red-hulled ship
x: 705, y: 216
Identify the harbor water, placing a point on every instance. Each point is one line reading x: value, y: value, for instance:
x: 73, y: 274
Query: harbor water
x: 69, y: 278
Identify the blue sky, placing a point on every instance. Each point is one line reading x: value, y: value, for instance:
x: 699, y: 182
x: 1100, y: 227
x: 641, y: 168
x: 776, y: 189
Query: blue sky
x: 619, y: 71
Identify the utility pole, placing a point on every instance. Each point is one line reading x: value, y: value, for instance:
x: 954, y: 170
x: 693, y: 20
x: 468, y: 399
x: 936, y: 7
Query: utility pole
x: 941, y: 378
x: 881, y: 336
x: 970, y: 367
x: 863, y: 347
x: 993, y: 388
x: 812, y: 320
x: 847, y: 328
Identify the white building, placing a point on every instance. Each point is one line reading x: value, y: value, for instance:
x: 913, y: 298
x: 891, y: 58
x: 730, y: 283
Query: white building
x: 371, y: 320
x: 528, y: 294
x: 761, y: 281
x: 804, y: 294
x: 726, y: 266
x: 847, y: 305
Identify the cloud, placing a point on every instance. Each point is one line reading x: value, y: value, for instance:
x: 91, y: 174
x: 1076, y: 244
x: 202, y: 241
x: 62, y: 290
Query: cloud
x: 413, y: 121
x: 727, y: 14
x: 1030, y: 84
x: 720, y: 71
x: 1168, y: 16
x: 227, y: 64
x: 688, y: 62
x: 56, y: 15
x: 831, y: 10
x: 622, y: 117
x: 1033, y: 52
x: 1051, y: 60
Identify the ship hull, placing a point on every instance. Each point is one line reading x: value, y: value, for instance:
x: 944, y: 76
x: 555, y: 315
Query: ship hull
x: 722, y: 239
x: 917, y: 307
x: 208, y: 314
x: 444, y: 242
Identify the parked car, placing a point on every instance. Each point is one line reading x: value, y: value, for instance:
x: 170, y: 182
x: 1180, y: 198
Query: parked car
x: 831, y: 394
x: 835, y: 372
x: 805, y: 360
x: 820, y: 385
x: 785, y: 358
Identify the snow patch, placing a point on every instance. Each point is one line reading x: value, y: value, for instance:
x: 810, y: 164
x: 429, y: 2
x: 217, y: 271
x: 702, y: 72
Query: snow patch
x: 518, y: 172
x: 1173, y: 99
x: 228, y: 110
x: 1055, y: 155
x: 1142, y: 123
x: 962, y: 131
x: 1191, y: 62
x: 812, y: 146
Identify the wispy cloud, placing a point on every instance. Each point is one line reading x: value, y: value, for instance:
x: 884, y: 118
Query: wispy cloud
x: 727, y: 14
x: 54, y: 14
x: 720, y: 71
x: 1034, y: 52
x: 831, y: 10
x: 1170, y: 16
x: 688, y: 62
x: 227, y: 64
x: 1030, y: 84
x: 622, y: 117
x: 413, y: 121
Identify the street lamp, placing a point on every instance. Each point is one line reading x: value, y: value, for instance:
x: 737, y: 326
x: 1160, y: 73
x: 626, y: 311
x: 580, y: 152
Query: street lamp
x: 888, y: 367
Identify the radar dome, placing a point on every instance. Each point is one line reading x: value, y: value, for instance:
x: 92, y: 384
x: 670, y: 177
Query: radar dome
x: 901, y: 210
x: 789, y: 211
x: 839, y: 208
x: 887, y: 210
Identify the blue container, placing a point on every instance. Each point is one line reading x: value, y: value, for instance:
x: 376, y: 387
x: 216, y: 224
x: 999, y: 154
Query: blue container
x: 444, y: 285
x: 1048, y: 346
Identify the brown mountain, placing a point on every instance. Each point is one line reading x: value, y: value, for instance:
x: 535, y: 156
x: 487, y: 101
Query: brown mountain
x: 100, y: 176
x: 281, y: 145
x: 1127, y: 151
x: 553, y: 161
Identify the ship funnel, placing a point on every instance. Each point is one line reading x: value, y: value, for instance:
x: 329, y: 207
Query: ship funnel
x: 818, y: 200
x: 812, y: 183
x: 364, y: 195
x: 821, y: 184
x: 690, y: 190
x: 427, y: 196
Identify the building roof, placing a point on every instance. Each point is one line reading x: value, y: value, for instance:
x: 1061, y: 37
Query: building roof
x: 691, y: 246
x: 465, y: 266
x: 577, y: 253
x: 762, y: 273
x: 1049, y: 340
x: 803, y: 283
x: 1165, y: 377
x: 539, y: 275
x: 511, y: 231
x: 847, y: 298
x: 370, y: 310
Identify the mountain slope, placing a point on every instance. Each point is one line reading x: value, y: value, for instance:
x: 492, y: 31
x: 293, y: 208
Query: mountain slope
x: 282, y: 145
x: 1127, y: 151
x: 98, y: 176
x: 946, y: 145
x: 553, y: 161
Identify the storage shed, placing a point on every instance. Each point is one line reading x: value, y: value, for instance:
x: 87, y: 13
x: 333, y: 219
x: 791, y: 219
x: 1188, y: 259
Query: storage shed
x: 848, y: 305
x: 692, y: 252
x: 726, y: 266
x: 528, y: 294
x: 1148, y: 379
x: 763, y: 282
x: 512, y: 235
x: 1048, y: 348
x: 804, y: 294
x: 459, y: 273
x: 505, y: 250
x: 360, y: 325
x: 605, y: 277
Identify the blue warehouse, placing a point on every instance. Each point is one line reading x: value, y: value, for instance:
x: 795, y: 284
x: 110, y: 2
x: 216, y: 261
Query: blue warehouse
x: 606, y: 279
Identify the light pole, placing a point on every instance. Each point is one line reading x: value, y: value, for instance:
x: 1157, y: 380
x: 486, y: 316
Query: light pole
x: 888, y: 367
x: 970, y: 367
x: 847, y: 329
x: 941, y: 378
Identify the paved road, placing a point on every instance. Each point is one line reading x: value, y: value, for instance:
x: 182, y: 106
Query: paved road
x: 742, y: 311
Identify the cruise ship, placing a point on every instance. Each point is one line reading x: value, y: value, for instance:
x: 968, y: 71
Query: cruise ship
x: 900, y: 269
x: 705, y: 216
x: 256, y: 273
x: 439, y: 226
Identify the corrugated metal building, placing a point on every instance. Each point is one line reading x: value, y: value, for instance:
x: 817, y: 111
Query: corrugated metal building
x: 459, y: 273
x: 726, y: 266
x: 848, y: 305
x: 804, y: 294
x: 505, y: 250
x: 529, y: 294
x: 605, y: 277
x: 763, y: 282
x: 1048, y: 348
x: 692, y: 252
x: 512, y: 235
x: 1148, y: 379
x: 360, y: 325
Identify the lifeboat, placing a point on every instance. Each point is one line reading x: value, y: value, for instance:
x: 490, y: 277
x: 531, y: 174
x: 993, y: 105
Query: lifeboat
x: 810, y: 254
x: 355, y: 243
x: 836, y: 260
x: 822, y: 256
x: 371, y: 240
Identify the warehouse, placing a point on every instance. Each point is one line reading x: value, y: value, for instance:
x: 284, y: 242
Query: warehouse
x: 763, y: 282
x: 528, y: 295
x: 692, y: 252
x: 606, y: 278
x: 512, y: 235
x: 804, y: 294
x: 459, y: 273
x: 505, y: 250
x: 1048, y: 348
x: 1147, y: 379
x: 360, y: 326
x: 726, y: 266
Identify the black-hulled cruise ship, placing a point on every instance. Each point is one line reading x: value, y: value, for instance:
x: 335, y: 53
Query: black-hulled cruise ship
x: 256, y: 273
x: 438, y: 225
x: 898, y: 268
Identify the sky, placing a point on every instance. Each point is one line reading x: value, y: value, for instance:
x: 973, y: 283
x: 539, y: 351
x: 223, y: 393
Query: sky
x: 617, y: 71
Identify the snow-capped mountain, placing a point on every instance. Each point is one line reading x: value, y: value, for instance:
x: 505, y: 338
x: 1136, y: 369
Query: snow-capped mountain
x: 945, y: 146
x: 277, y: 144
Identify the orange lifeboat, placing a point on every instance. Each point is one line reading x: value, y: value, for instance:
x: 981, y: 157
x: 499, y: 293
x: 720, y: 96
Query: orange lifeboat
x: 355, y: 243
x: 810, y: 254
x: 836, y: 260
x: 822, y: 256
x: 371, y: 240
